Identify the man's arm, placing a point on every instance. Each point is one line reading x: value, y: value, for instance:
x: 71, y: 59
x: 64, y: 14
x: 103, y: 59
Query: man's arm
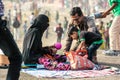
x: 68, y: 44
x: 110, y: 9
x: 81, y: 46
x: 96, y: 15
x: 103, y: 14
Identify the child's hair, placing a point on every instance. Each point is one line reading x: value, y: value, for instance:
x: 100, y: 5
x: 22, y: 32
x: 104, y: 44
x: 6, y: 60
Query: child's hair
x: 71, y: 30
x: 59, y: 24
x: 76, y: 10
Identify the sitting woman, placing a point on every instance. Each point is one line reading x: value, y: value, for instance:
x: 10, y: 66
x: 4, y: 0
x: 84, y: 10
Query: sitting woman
x: 32, y: 44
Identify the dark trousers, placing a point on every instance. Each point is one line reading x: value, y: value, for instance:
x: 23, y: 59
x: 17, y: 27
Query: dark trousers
x: 59, y: 38
x: 10, y: 49
x: 92, y: 50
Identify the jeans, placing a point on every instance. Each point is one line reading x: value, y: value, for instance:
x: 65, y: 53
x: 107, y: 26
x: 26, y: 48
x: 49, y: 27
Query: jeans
x: 11, y: 50
x: 92, y: 50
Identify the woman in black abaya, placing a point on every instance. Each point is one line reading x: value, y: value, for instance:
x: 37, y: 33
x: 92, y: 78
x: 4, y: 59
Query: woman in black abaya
x: 32, y: 45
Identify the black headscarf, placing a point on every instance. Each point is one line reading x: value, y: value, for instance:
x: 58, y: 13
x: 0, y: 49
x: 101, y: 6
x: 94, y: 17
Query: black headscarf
x: 41, y: 22
x: 32, y: 45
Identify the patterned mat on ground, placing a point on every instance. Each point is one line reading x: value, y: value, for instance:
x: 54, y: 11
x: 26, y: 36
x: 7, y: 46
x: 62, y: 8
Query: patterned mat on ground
x: 42, y: 73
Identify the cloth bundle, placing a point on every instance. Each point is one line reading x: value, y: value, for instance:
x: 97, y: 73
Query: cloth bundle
x: 58, y: 63
x: 79, y: 62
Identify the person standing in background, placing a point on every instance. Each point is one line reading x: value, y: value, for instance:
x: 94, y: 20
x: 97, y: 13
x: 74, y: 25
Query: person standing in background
x: 59, y: 31
x: 32, y: 17
x: 25, y: 27
x: 16, y: 25
x: 65, y: 25
x: 114, y: 31
x: 57, y: 17
x: 101, y: 29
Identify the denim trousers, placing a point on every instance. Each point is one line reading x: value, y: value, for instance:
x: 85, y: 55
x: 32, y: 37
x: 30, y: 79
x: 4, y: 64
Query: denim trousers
x: 11, y: 50
x: 92, y: 50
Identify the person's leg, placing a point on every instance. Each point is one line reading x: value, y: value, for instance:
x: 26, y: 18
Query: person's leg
x: 59, y: 39
x: 115, y: 34
x: 107, y: 42
x: 94, y: 57
x: 10, y: 49
x: 92, y: 49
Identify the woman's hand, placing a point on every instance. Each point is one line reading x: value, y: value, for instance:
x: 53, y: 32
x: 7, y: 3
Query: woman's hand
x: 54, y: 50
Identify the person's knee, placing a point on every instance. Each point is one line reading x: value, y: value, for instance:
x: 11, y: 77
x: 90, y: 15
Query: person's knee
x: 16, y: 59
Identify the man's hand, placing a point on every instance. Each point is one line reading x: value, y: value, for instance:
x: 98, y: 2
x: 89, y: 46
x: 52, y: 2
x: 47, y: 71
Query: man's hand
x: 104, y: 14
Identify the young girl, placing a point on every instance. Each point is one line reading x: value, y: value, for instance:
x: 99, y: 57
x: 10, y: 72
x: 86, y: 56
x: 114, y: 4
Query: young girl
x: 88, y: 40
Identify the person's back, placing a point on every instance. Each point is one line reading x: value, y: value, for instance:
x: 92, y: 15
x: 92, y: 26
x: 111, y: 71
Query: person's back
x: 65, y: 23
x: 25, y: 27
x: 114, y: 31
x: 90, y: 37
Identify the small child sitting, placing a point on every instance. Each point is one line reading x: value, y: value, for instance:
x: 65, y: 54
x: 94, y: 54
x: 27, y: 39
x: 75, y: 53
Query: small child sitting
x: 88, y: 40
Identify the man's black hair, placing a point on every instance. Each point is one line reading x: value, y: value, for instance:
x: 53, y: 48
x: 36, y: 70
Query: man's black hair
x: 76, y: 10
x: 71, y: 30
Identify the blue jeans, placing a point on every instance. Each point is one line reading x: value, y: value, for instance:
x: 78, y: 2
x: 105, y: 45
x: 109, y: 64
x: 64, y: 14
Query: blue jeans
x: 92, y: 50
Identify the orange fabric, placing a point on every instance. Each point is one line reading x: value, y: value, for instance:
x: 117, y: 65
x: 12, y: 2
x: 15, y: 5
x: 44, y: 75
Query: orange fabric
x: 49, y: 56
x: 82, y: 53
x: 78, y: 62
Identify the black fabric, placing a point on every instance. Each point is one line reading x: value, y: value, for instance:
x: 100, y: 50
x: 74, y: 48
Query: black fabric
x: 32, y: 45
x: 11, y: 50
x: 89, y: 37
x: 59, y: 31
x: 95, y: 30
x: 16, y: 23
x: 71, y: 30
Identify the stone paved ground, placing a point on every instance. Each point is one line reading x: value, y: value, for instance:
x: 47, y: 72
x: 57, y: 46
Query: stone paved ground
x: 106, y: 60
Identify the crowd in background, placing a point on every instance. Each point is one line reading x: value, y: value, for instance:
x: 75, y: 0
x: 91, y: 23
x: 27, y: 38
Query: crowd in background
x: 20, y: 15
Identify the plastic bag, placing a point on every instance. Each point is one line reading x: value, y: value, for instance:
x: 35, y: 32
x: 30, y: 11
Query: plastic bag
x: 78, y: 62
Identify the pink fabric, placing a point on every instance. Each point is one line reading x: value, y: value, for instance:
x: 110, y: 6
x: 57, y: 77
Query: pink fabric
x: 78, y: 62
x: 58, y: 45
x: 53, y: 65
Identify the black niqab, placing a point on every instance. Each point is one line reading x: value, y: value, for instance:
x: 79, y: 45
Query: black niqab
x: 32, y: 45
